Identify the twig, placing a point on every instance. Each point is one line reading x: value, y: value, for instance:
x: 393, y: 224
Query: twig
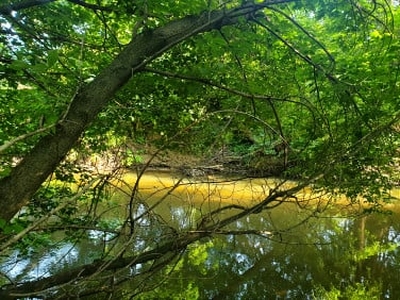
x: 8, y: 144
x: 65, y: 203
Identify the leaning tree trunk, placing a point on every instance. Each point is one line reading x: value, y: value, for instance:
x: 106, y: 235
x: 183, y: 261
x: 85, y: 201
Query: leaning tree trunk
x: 25, y: 179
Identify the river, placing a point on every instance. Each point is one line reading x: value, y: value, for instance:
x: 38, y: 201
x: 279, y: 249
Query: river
x: 309, y: 249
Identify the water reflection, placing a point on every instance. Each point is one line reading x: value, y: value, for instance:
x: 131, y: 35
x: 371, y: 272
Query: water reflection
x: 321, y: 258
x: 299, y: 253
x: 37, y: 266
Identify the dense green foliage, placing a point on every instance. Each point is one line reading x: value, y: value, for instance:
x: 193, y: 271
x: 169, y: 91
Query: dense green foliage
x: 307, y: 90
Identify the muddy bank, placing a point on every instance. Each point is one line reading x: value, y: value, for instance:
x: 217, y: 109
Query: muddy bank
x: 217, y: 164
x: 138, y: 158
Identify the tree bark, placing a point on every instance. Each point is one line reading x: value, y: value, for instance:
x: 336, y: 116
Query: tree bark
x: 25, y: 179
x: 9, y: 8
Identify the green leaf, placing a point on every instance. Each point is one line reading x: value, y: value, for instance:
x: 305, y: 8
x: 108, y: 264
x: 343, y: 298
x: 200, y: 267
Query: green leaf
x: 19, y: 65
x: 52, y: 57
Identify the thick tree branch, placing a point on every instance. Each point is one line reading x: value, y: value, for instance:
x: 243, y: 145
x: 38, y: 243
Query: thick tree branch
x: 25, y: 179
x: 7, y: 9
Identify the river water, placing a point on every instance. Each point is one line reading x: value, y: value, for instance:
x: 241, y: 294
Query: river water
x: 307, y: 249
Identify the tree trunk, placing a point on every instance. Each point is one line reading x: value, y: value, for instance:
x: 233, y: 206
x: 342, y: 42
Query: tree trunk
x: 25, y: 179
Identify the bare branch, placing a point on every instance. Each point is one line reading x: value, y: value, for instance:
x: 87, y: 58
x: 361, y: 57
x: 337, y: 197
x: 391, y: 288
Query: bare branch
x: 24, y: 136
x: 220, y: 86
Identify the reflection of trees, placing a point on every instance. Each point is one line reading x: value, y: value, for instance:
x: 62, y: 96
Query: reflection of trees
x: 153, y: 233
x: 367, y: 257
x: 376, y: 256
x: 282, y: 245
x: 301, y: 264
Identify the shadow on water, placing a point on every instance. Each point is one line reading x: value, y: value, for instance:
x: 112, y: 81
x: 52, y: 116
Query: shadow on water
x: 300, y: 251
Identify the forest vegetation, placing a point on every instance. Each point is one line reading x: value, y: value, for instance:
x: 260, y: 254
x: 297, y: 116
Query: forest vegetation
x: 300, y: 90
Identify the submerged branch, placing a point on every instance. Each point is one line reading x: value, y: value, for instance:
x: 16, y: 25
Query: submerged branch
x: 176, y: 244
x: 82, y: 272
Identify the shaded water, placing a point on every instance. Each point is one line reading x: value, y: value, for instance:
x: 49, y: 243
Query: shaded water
x: 318, y: 251
x: 324, y: 257
x: 309, y: 250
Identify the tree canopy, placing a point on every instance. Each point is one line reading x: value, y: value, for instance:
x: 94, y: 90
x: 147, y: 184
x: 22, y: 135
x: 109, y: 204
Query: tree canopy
x: 303, y: 90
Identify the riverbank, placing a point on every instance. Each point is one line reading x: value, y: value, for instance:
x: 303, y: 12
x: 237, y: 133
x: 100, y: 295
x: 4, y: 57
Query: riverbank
x: 219, y: 163
x: 150, y: 158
